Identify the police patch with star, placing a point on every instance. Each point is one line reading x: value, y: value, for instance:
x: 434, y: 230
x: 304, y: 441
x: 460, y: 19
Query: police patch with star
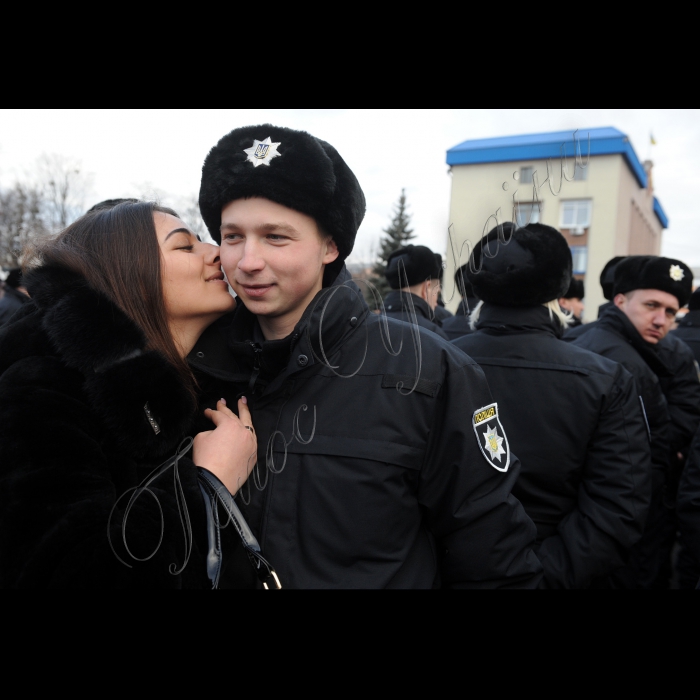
x: 491, y: 437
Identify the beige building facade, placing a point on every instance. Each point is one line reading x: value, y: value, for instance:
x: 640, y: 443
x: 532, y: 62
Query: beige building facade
x: 601, y: 200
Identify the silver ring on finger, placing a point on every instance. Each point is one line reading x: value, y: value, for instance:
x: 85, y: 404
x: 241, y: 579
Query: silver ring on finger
x: 249, y: 427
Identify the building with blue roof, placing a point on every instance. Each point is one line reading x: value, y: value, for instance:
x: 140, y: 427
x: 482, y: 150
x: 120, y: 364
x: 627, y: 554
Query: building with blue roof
x: 589, y: 184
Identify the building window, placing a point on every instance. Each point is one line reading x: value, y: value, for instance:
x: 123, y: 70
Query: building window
x: 526, y: 175
x: 576, y: 215
x: 580, y: 173
x: 579, y: 254
x: 527, y: 213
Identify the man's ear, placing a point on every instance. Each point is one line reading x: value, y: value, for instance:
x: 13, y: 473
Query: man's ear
x: 619, y: 301
x: 331, y: 251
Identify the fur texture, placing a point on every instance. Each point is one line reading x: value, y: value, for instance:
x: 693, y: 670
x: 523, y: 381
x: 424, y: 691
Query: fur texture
x: 308, y: 175
x: 607, y: 276
x: 653, y: 272
x: 520, y: 266
x: 419, y: 262
x: 576, y: 290
x: 90, y: 334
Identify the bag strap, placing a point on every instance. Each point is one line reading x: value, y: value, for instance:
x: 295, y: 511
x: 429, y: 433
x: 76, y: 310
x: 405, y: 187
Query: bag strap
x: 215, y: 492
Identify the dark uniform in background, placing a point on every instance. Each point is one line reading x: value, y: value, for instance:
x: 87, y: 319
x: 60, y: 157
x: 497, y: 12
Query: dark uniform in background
x: 575, y: 292
x: 458, y: 325
x: 370, y: 474
x: 13, y: 298
x: 408, y: 267
x: 573, y: 417
x: 688, y: 513
x: 607, y: 278
x: 440, y: 313
x: 689, y: 326
x: 615, y: 336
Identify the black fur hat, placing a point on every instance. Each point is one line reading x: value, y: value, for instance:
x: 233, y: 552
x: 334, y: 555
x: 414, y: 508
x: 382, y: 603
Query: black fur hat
x: 438, y: 261
x: 694, y: 302
x: 520, y: 266
x: 285, y: 166
x: 14, y: 278
x: 654, y: 272
x: 419, y: 262
x: 607, y: 276
x: 575, y: 291
x: 464, y: 286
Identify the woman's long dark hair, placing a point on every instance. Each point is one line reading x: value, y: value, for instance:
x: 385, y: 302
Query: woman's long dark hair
x: 116, y: 250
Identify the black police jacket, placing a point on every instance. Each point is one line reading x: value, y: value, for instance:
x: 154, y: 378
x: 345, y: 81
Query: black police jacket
x: 458, y: 325
x: 397, y: 304
x: 688, y: 503
x: 615, y: 337
x: 575, y: 421
x: 689, y: 332
x: 369, y: 472
x: 678, y: 378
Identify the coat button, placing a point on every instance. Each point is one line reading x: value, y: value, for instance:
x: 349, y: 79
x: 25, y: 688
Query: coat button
x: 353, y: 321
x: 200, y: 354
x: 303, y: 360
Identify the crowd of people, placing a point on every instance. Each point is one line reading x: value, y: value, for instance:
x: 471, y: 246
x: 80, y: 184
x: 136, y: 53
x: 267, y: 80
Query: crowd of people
x: 155, y: 431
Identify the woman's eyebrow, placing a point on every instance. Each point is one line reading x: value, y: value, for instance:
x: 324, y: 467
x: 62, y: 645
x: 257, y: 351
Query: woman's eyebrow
x: 178, y: 230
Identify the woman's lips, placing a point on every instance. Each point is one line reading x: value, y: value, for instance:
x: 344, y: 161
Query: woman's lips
x: 256, y: 291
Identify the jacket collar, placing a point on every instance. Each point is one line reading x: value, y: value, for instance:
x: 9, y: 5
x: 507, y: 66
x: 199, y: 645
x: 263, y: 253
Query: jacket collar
x: 528, y: 319
x: 334, y: 314
x: 397, y: 300
x: 616, y: 321
x: 93, y: 336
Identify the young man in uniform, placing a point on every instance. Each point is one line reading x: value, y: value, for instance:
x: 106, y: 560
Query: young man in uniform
x: 647, y: 293
x: 373, y: 469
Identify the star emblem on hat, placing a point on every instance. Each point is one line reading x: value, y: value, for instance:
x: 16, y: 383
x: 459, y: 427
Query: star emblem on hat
x: 262, y: 152
x: 493, y: 442
x: 676, y: 273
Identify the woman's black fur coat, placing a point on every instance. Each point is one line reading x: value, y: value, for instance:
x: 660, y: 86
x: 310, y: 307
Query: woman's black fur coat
x: 74, y: 379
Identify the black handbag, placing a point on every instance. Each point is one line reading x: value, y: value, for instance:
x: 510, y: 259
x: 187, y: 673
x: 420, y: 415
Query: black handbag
x: 215, y: 492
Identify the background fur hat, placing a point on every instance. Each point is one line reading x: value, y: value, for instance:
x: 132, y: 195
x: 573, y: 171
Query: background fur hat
x: 464, y: 286
x: 520, y: 266
x: 307, y: 175
x: 419, y: 262
x: 607, y: 276
x: 694, y: 301
x: 654, y: 272
x: 575, y: 290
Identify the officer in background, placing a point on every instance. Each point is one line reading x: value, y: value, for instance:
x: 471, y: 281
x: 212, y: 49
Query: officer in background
x: 414, y: 273
x: 572, y: 301
x: 679, y: 383
x: 573, y: 417
x: 647, y: 293
x: 14, y: 297
x: 689, y: 326
x: 458, y: 325
x: 607, y: 278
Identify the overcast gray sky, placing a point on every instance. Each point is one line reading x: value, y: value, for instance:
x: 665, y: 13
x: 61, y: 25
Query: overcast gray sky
x: 387, y: 150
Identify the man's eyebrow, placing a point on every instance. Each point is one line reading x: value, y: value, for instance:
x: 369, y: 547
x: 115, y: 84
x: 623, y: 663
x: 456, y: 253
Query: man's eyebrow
x: 178, y: 230
x: 268, y: 228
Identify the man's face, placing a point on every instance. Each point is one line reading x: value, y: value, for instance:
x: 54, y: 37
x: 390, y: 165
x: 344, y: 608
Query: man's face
x: 651, y: 311
x: 274, y: 257
x: 574, y: 304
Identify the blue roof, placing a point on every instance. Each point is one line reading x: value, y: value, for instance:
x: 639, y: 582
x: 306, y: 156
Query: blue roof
x: 604, y: 141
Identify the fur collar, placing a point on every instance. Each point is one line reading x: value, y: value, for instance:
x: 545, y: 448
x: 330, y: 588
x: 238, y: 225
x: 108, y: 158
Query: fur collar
x: 93, y: 336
